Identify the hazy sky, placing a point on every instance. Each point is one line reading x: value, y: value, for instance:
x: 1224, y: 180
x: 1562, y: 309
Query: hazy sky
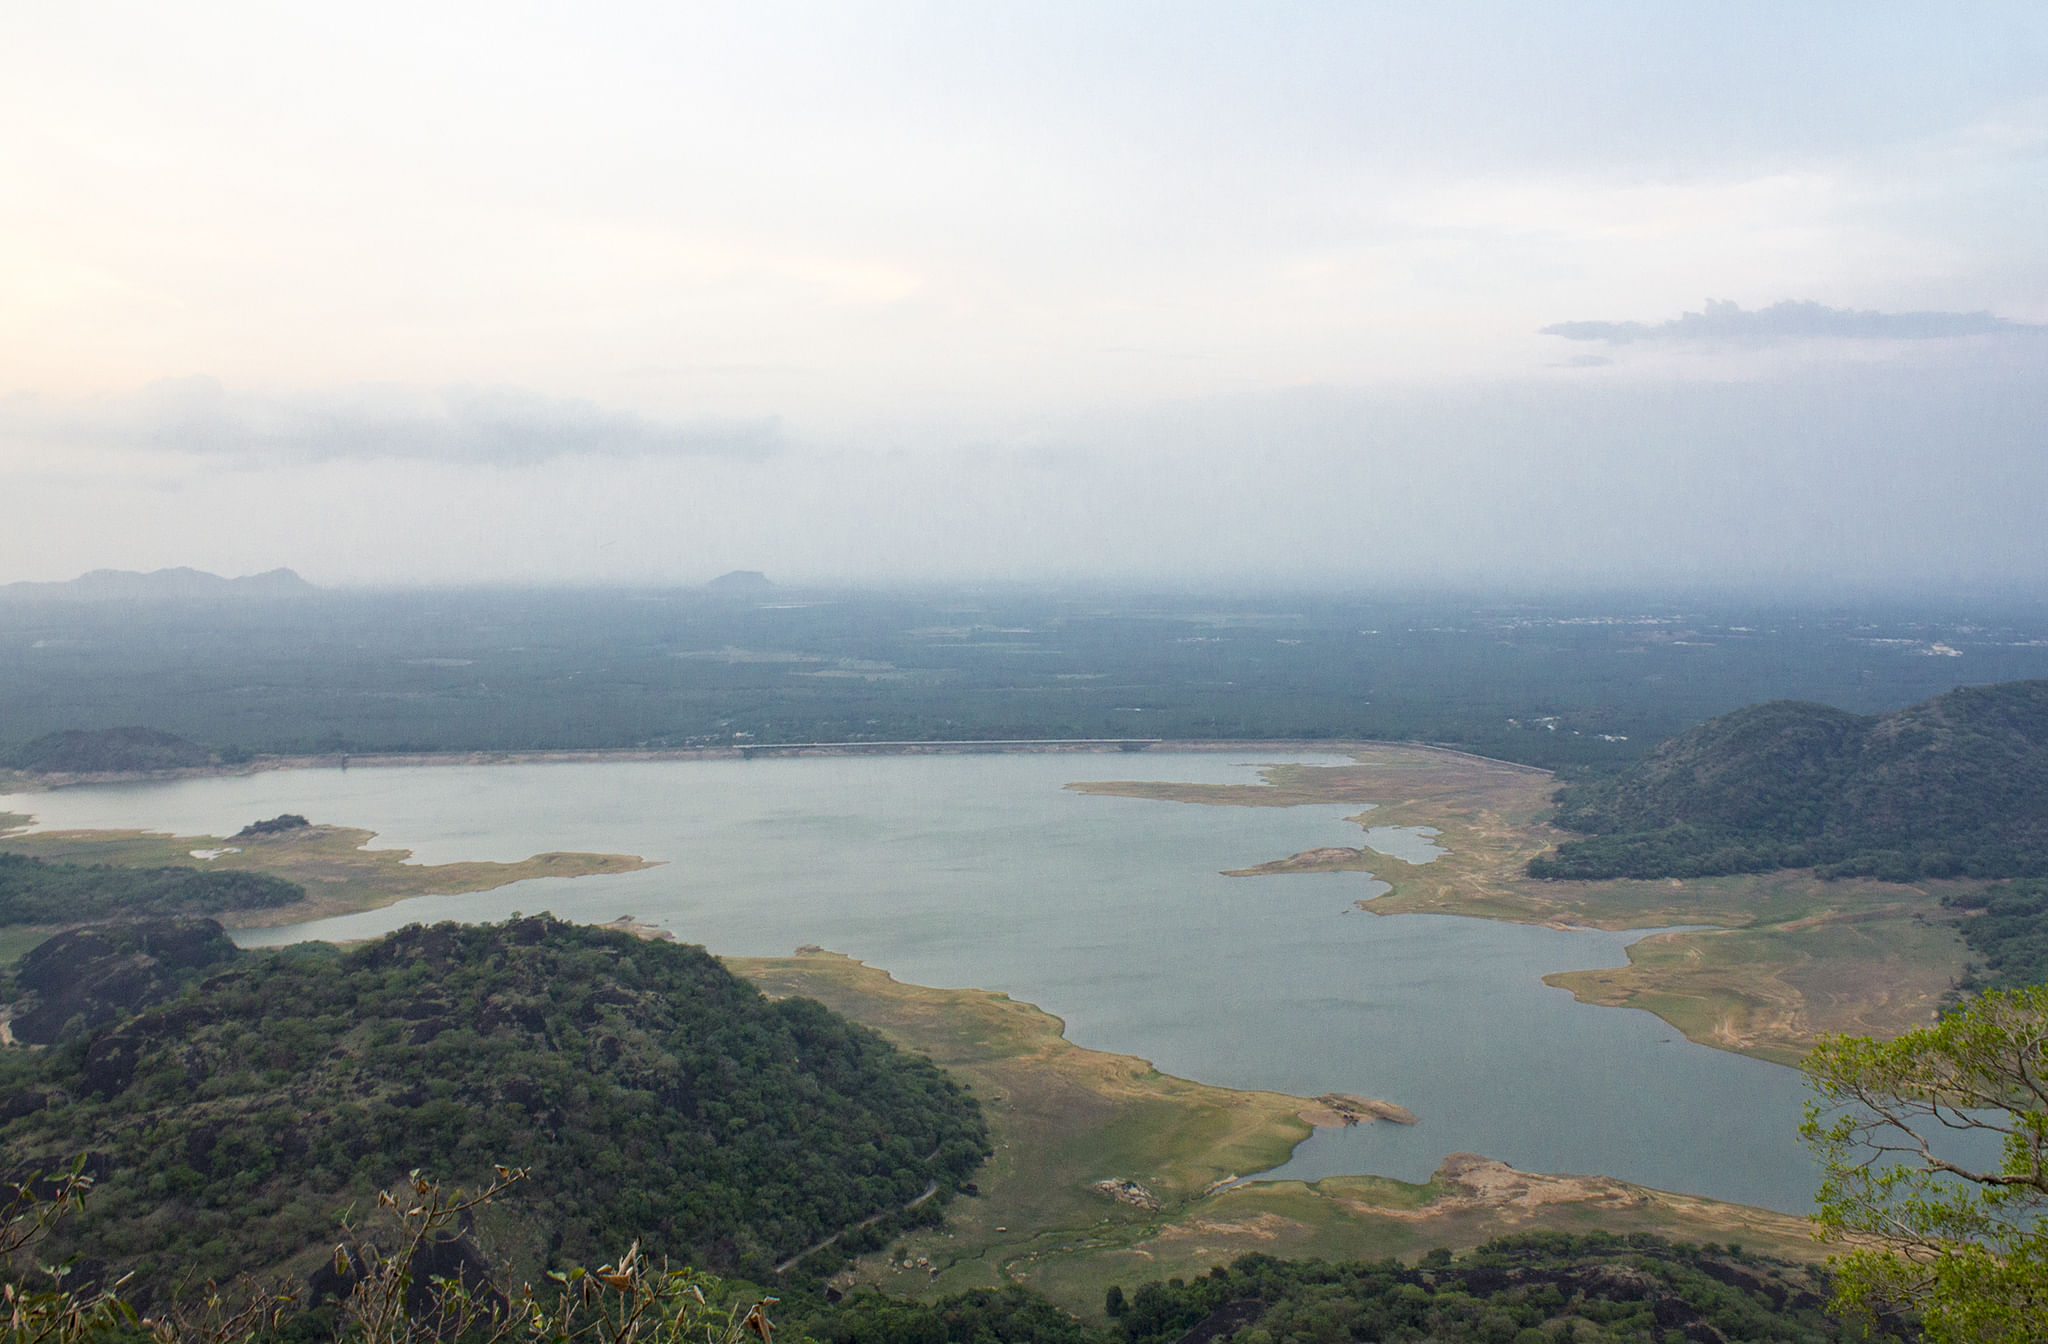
x: 1337, y: 293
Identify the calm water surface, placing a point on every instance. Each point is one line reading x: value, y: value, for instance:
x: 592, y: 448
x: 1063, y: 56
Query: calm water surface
x: 1109, y: 912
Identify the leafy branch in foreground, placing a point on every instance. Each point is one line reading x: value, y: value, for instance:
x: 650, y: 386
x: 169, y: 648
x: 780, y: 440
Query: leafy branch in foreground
x: 632, y: 1301
x: 392, y: 1297
x: 56, y: 1313
x: 1905, y: 1129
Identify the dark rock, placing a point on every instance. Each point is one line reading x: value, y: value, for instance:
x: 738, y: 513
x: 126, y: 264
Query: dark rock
x: 456, y: 1259
x: 1224, y: 1322
x: 1735, y: 1276
x: 85, y: 979
x: 110, y: 1065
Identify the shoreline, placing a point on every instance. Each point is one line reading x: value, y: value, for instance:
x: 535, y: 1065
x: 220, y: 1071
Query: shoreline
x: 33, y: 782
x: 1104, y: 1162
x: 1330, y: 1110
x: 1770, y: 960
x: 1106, y: 1168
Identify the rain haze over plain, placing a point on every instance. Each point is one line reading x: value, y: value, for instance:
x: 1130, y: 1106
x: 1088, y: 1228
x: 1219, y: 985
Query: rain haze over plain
x: 1745, y: 295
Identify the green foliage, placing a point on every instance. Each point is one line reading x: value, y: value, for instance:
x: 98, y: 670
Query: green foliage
x: 278, y: 825
x: 1957, y: 786
x: 1013, y: 1315
x: 33, y: 891
x: 2008, y: 935
x: 652, y: 1095
x: 1963, y: 1240
x: 390, y: 1295
x: 1545, y: 1286
x: 40, y: 1303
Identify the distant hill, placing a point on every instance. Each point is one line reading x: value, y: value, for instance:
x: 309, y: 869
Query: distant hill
x: 740, y: 582
x: 1955, y: 786
x: 81, y: 751
x: 654, y: 1095
x: 108, y: 585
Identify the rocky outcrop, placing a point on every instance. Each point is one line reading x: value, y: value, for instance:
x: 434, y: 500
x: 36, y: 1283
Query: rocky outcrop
x: 1125, y: 1191
x: 1341, y: 1108
x: 85, y: 979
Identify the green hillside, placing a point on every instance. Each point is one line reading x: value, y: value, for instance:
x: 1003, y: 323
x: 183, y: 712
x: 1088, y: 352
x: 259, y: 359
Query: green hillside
x: 1955, y: 786
x: 653, y: 1095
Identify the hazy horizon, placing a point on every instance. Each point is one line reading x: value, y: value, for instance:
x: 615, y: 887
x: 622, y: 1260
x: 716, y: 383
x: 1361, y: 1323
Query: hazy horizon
x: 1618, y: 600
x: 1294, y: 297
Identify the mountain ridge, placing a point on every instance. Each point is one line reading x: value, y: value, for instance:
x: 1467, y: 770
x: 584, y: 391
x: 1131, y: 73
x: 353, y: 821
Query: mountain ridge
x: 1955, y: 786
x: 176, y: 584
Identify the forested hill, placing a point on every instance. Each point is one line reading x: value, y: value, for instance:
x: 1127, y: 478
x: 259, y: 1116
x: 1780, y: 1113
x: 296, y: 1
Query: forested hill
x: 654, y: 1096
x: 1955, y: 786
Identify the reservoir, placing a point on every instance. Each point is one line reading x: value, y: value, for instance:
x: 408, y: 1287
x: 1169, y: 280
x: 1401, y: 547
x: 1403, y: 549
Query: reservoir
x: 1112, y: 913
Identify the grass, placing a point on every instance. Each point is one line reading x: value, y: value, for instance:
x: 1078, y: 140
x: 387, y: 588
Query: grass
x: 333, y: 863
x: 1062, y: 1118
x: 1862, y: 967
x: 1791, y: 956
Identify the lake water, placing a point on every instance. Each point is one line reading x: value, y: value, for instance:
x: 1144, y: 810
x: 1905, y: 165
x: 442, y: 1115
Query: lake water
x: 1109, y: 912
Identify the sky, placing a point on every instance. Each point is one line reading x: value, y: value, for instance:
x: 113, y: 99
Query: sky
x: 1729, y: 295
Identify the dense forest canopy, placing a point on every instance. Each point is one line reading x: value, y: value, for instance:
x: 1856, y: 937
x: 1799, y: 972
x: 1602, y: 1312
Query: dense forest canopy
x: 2006, y: 927
x: 36, y: 891
x: 1577, y: 684
x: 1539, y: 1288
x: 1954, y: 786
x: 653, y: 1095
x: 79, y: 751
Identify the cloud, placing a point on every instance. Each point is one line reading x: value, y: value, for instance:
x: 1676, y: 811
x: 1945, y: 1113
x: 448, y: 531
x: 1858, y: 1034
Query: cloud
x: 496, y: 426
x: 1790, y: 319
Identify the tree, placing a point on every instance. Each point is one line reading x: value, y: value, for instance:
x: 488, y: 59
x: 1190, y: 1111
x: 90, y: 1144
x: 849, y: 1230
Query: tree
x: 389, y: 1297
x: 1933, y: 1216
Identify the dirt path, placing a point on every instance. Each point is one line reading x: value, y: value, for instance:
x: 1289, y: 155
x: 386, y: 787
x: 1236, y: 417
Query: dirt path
x: 868, y: 1221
